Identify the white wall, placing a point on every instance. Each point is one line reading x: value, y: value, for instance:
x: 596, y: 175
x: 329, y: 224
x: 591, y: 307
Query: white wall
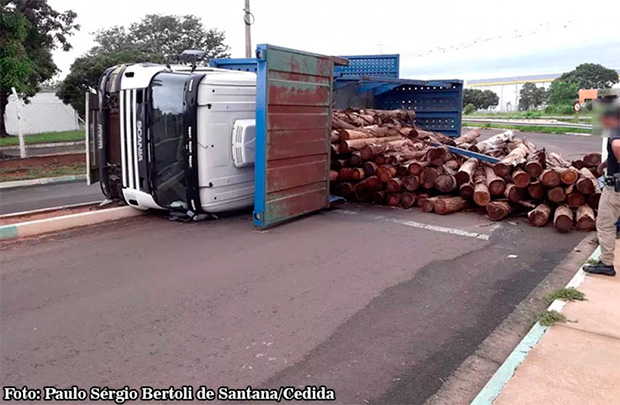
x: 508, y: 95
x: 44, y: 113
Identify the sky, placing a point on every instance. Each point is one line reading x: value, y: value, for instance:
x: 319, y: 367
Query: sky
x: 436, y: 39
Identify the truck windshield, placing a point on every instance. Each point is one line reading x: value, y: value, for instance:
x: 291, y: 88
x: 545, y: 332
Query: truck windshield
x: 167, y: 128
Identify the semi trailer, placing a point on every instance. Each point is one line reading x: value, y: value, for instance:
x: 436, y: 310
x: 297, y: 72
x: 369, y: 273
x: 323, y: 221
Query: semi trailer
x: 238, y: 133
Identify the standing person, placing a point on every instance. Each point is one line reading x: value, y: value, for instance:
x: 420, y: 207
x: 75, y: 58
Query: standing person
x: 609, y: 205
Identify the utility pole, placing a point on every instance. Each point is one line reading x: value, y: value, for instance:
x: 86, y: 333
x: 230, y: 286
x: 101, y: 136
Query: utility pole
x: 248, y: 19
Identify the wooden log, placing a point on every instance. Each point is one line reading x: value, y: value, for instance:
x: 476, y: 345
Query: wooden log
x: 536, y: 163
x: 338, y: 124
x: 394, y: 185
x: 443, y: 206
x: 411, y: 183
x: 333, y: 175
x: 370, y: 150
x: 379, y: 197
x: 555, y: 160
x: 514, y: 193
x: 563, y: 218
x: 393, y: 199
x: 578, y: 164
x: 599, y: 170
x: 466, y: 172
x: 556, y: 194
x: 416, y: 168
x: 385, y: 173
x: 592, y: 159
x: 539, y: 216
x: 401, y: 171
x: 445, y: 182
x: 469, y: 137
x: 550, y: 177
x: 585, y: 219
x: 569, y: 175
x: 366, y: 133
x: 498, y: 210
x: 494, y: 143
x: 429, y: 176
x: 371, y: 183
x: 482, y: 196
x: 452, y: 164
x: 594, y: 199
x: 536, y: 190
x: 357, y: 144
x: 496, y: 184
x: 407, y: 199
x: 587, y: 183
x: 421, y: 198
x: 362, y: 194
x: 370, y: 168
x: 343, y: 189
x: 575, y: 199
x: 380, y: 160
x: 428, y: 204
x: 355, y: 160
x: 346, y: 174
x: 436, y: 156
x: 517, y: 156
x: 521, y: 178
x: 466, y: 190
x: 334, y: 138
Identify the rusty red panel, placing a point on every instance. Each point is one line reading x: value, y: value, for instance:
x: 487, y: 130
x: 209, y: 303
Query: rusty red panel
x: 294, y: 92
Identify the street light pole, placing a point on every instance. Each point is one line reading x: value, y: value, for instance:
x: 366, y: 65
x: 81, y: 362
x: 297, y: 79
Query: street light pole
x: 248, y: 20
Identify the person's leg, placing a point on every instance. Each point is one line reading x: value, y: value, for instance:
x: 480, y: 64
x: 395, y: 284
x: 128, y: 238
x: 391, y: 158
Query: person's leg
x: 608, y: 213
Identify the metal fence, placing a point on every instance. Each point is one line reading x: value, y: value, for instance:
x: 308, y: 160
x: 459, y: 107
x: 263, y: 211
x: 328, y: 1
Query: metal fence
x: 44, y: 113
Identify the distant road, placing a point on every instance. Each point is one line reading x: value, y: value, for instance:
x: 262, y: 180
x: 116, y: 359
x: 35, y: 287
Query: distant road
x: 53, y: 195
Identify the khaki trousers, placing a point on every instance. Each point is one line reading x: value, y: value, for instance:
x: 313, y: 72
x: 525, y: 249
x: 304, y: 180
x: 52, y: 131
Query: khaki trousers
x: 608, y: 213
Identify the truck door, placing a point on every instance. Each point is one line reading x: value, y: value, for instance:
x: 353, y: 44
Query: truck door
x: 93, y: 138
x: 293, y: 118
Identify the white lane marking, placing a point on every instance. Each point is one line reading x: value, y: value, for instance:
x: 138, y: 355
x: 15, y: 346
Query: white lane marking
x: 437, y: 228
x: 420, y: 225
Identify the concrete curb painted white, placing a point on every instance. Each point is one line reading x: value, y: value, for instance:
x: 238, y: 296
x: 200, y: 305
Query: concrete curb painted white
x: 496, y: 384
x: 55, y: 224
x: 7, y: 185
x: 44, y: 145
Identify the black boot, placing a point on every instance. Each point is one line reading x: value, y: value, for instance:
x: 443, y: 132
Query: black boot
x: 599, y: 268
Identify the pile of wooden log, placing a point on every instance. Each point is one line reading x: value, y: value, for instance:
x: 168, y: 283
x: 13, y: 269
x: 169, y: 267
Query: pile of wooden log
x: 382, y: 157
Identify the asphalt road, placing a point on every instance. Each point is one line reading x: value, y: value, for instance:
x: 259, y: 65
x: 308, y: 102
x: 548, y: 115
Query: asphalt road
x: 53, y: 195
x: 359, y: 299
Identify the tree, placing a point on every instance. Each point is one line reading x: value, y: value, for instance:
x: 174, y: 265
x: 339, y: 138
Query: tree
x: 29, y: 31
x: 591, y: 76
x: 156, y: 38
x: 481, y: 99
x: 563, y: 92
x: 532, y: 96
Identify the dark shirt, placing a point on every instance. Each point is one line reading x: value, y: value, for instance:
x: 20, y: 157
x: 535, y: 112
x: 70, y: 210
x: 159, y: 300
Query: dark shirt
x: 612, y: 163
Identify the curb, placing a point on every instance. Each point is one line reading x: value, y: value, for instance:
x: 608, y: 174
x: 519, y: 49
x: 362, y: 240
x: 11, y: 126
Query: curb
x: 496, y: 384
x: 7, y: 185
x: 44, y: 145
x: 41, y: 226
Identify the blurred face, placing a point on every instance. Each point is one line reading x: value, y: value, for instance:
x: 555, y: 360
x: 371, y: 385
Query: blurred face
x: 610, y: 122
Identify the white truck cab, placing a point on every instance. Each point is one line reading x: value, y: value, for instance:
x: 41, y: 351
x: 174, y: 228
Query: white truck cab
x: 178, y: 138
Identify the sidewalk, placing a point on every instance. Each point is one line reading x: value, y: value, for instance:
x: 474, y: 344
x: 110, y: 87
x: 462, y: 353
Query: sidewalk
x: 577, y: 362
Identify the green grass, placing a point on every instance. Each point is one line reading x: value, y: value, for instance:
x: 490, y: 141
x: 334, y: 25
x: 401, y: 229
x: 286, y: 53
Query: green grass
x: 591, y: 261
x: 52, y: 170
x: 528, y: 128
x: 46, y: 137
x: 566, y: 294
x: 548, y: 318
x: 528, y: 115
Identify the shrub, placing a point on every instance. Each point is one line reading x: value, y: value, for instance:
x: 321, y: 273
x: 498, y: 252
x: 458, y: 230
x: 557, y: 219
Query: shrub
x: 469, y: 108
x: 562, y: 109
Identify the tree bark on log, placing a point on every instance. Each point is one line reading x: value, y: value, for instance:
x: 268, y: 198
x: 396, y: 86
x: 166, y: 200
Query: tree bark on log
x: 481, y: 191
x: 428, y: 204
x: 369, y: 151
x: 496, y: 184
x: 563, y: 218
x: 539, y: 216
x: 429, y: 176
x: 333, y: 175
x: 407, y: 199
x: 343, y: 189
x: 357, y: 144
x: 585, y: 218
x: 587, y: 183
x: 469, y: 137
x: 578, y: 164
x: 517, y: 156
x: 498, y: 210
x: 446, y: 182
x: 556, y: 194
x: 385, y: 173
x: 394, y: 185
x: 372, y: 183
x: 536, y: 163
x: 443, y: 206
x: 466, y: 172
x: 494, y: 143
x: 436, y: 156
x: 521, y: 178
